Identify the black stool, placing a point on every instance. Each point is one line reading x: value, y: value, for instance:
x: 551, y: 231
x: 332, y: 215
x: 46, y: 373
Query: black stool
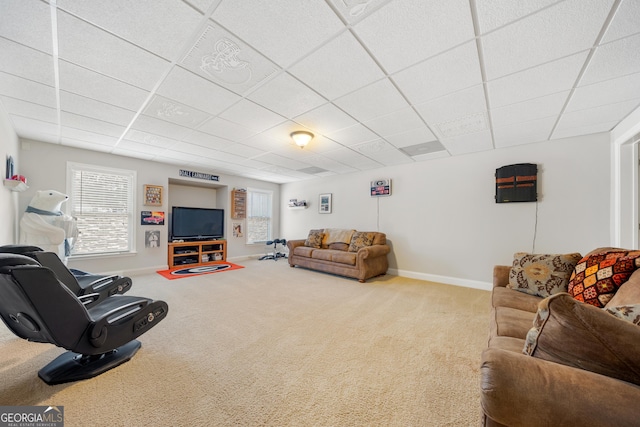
x: 276, y: 254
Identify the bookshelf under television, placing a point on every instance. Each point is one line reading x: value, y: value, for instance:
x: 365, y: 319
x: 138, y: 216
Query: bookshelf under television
x: 196, y: 253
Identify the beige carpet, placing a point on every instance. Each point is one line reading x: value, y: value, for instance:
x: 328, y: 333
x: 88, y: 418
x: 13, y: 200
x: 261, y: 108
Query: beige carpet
x: 269, y: 345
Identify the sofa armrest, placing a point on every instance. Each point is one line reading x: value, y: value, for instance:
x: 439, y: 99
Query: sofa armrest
x: 373, y: 251
x: 501, y: 275
x: 522, y: 390
x: 292, y: 244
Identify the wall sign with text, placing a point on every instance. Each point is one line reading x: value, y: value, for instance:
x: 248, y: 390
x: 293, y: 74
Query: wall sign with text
x: 381, y: 187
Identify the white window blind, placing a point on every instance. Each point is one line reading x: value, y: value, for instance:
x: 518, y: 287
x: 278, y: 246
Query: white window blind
x: 259, y: 215
x: 102, y: 201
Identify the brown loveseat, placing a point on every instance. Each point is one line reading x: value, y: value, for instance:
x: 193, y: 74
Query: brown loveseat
x: 557, y: 361
x: 351, y: 253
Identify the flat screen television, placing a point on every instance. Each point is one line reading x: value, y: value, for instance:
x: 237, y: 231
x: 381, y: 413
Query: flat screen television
x: 196, y: 223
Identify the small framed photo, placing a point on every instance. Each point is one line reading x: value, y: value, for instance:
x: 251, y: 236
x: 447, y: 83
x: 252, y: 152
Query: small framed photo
x: 324, y: 204
x: 152, y: 195
x: 237, y: 229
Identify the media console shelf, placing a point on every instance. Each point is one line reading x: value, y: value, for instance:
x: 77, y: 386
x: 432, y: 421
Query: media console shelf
x: 193, y: 254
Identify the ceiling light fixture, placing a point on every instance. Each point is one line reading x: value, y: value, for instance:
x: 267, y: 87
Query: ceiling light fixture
x: 301, y: 137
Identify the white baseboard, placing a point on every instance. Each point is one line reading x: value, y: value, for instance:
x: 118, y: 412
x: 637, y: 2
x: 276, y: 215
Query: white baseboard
x: 447, y: 280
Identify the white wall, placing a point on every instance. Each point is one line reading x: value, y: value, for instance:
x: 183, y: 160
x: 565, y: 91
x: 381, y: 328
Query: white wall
x: 8, y: 198
x: 442, y: 220
x: 45, y: 166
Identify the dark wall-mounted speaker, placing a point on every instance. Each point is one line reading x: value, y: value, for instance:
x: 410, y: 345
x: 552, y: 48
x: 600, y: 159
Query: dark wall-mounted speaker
x: 517, y: 183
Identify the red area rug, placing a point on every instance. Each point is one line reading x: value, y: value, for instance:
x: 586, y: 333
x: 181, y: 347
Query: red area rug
x: 178, y: 273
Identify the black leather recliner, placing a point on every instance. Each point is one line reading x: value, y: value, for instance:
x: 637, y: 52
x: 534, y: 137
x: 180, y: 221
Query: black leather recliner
x: 37, y: 307
x: 90, y: 288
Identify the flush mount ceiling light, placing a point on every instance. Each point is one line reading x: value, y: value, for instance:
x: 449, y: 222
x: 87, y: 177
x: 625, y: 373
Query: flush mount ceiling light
x: 301, y: 137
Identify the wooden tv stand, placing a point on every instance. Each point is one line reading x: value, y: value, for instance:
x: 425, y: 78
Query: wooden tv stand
x: 190, y: 254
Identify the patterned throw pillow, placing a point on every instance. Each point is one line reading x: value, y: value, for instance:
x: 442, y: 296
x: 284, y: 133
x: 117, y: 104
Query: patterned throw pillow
x: 598, y: 276
x: 314, y: 239
x: 630, y: 313
x: 541, y: 274
x: 361, y: 239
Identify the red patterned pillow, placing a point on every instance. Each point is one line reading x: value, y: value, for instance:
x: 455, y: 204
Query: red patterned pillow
x: 598, y: 275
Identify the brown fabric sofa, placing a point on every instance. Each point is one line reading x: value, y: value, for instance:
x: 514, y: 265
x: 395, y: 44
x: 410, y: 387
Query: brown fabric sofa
x: 342, y: 255
x: 579, y: 366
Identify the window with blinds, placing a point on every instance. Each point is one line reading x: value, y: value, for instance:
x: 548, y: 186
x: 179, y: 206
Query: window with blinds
x: 102, y: 201
x: 259, y: 215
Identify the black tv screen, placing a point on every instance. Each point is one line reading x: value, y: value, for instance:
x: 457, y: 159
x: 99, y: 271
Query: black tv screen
x: 196, y: 223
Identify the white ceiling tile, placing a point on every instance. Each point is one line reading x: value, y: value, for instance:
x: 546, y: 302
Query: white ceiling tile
x: 67, y: 133
x: 30, y: 110
x: 114, y: 57
x: 120, y: 151
x: 252, y: 116
x: 466, y: 144
x: 496, y: 13
x: 180, y: 114
x: 26, y: 62
x: 329, y: 164
x: 556, y: 76
x: 354, y: 10
x: 390, y: 156
x: 71, y: 120
x: 606, y: 92
x: 35, y: 129
x: 242, y: 150
x: 411, y: 137
x: 524, y: 132
x: 87, y: 83
x: 614, y: 59
x: 206, y: 140
x: 84, y: 106
x: 286, y: 96
x: 86, y: 145
x: 158, y: 28
x: 190, y: 89
x: 139, y: 147
x: 264, y: 142
x: 203, y: 5
x: 339, y: 67
x: 352, y: 158
x: 294, y: 28
x: 353, y: 135
x: 149, y: 139
x: 71, y: 134
x: 377, y: 99
x: 27, y: 22
x: 226, y: 129
x: 396, y: 122
x: 159, y: 127
x: 625, y: 21
x: 451, y: 111
x: 601, y: 114
x: 584, y: 130
x: 27, y: 90
x: 326, y: 119
x: 537, y: 108
x: 402, y: 33
x: 563, y: 29
x: 275, y: 159
x: 448, y: 72
x: 431, y: 156
x: 322, y: 144
x: 222, y: 58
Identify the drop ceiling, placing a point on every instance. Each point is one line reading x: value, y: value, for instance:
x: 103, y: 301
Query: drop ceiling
x: 218, y: 85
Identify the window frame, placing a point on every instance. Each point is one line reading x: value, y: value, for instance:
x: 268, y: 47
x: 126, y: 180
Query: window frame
x: 248, y: 215
x: 131, y: 203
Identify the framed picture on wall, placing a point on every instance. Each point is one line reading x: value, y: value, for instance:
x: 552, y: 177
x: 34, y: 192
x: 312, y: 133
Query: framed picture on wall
x: 324, y: 204
x: 152, y: 195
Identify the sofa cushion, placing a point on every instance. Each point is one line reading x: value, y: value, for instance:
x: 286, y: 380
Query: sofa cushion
x: 628, y: 293
x: 339, y: 246
x: 361, y: 239
x: 314, y: 239
x: 572, y: 333
x: 342, y: 257
x: 504, y: 297
x: 541, y: 274
x: 510, y: 322
x: 597, y: 276
x: 324, y: 254
x: 304, y: 251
